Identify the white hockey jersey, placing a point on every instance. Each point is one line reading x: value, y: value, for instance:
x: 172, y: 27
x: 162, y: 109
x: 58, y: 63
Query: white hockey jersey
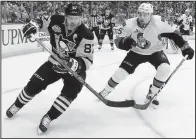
x: 148, y: 40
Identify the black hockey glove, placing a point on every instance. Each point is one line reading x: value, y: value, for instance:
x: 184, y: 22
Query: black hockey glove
x: 125, y: 43
x: 128, y: 41
x: 187, y: 50
x: 72, y: 63
x: 30, y: 28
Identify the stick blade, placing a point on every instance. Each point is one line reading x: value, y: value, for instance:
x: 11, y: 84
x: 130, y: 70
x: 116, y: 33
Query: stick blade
x: 126, y: 103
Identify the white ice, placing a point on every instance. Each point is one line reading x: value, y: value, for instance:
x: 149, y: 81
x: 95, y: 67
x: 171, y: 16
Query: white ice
x: 89, y: 118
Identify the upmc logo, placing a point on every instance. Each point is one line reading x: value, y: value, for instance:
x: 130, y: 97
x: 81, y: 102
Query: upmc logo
x: 13, y: 36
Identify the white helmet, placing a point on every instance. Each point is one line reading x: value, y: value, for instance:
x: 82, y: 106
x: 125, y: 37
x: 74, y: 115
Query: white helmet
x: 146, y: 8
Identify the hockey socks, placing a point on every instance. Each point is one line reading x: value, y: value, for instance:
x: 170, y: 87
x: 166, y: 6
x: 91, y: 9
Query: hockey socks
x: 119, y: 75
x: 59, y: 106
x: 23, y: 98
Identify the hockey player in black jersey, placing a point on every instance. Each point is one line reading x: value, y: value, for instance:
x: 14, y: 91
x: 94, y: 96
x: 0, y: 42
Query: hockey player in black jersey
x: 107, y: 26
x: 72, y: 42
x: 185, y: 22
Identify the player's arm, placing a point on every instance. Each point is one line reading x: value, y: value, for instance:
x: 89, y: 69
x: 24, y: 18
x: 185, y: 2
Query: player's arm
x: 83, y: 59
x: 176, y: 37
x: 55, y: 20
x: 84, y: 52
x: 113, y: 22
x: 124, y: 40
x: 173, y: 34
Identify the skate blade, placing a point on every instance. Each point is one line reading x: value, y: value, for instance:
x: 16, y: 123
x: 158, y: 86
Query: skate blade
x: 153, y: 106
x: 39, y: 132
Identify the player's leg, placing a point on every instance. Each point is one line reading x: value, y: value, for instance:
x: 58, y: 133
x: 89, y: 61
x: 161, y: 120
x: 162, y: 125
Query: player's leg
x: 102, y: 35
x: 69, y: 92
x: 38, y: 82
x: 97, y: 33
x: 160, y: 61
x: 110, y: 35
x: 128, y: 66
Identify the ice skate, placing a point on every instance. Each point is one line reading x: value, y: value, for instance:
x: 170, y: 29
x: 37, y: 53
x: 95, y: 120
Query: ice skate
x: 112, y: 47
x: 12, y: 111
x: 149, y: 96
x: 43, y: 126
x: 99, y: 47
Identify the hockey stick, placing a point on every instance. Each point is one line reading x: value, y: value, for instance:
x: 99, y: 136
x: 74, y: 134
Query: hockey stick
x: 126, y: 103
x: 145, y: 106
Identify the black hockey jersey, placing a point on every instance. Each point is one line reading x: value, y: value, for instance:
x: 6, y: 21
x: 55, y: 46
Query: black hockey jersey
x: 108, y: 21
x: 76, y: 44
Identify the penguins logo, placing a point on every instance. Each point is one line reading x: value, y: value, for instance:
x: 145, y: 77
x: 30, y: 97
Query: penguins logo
x: 142, y: 42
x: 64, y: 46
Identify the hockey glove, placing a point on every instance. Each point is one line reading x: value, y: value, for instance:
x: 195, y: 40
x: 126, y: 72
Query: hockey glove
x: 29, y: 29
x: 72, y: 63
x: 125, y: 43
x: 187, y: 50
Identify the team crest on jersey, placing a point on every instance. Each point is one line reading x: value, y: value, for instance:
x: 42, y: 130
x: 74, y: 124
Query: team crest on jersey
x: 64, y: 46
x: 142, y: 42
x: 56, y: 28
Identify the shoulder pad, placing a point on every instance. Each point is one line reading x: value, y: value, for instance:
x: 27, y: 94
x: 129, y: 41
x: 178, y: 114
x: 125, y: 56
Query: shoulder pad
x: 58, y: 19
x: 85, y: 32
x: 130, y: 21
x: 156, y: 18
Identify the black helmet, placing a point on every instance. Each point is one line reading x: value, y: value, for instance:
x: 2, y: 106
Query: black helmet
x: 73, y: 9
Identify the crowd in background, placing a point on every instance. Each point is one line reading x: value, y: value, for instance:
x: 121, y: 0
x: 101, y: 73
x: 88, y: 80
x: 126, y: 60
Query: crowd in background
x: 20, y: 11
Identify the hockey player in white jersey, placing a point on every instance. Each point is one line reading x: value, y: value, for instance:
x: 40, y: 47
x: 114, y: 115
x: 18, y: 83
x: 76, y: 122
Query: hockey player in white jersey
x: 142, y: 38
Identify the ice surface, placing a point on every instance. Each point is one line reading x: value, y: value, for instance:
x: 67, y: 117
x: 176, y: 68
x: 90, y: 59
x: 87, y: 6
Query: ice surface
x: 89, y: 118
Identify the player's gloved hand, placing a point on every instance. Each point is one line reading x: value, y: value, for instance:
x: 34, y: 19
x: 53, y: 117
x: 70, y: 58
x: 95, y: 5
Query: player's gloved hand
x: 125, y: 43
x: 129, y: 41
x: 71, y: 62
x: 187, y: 50
x: 29, y: 29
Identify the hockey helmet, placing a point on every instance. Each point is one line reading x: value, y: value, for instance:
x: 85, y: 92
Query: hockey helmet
x: 146, y: 8
x: 73, y: 9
